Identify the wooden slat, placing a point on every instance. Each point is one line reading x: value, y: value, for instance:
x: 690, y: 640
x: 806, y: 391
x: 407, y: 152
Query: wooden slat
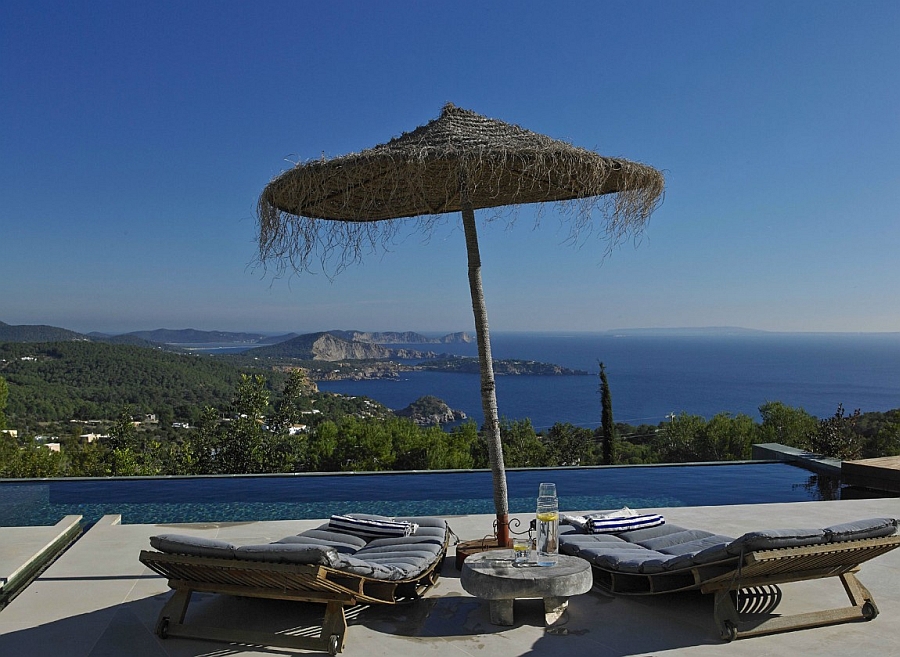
x: 732, y: 627
x: 802, y: 563
x: 848, y: 550
x: 746, y: 629
x: 264, y: 592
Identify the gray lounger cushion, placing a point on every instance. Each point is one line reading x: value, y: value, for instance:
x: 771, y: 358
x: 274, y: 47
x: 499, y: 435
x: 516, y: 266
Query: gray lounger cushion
x: 639, y: 535
x: 860, y: 529
x: 668, y: 547
x: 394, y: 558
x: 366, y: 568
x: 628, y: 561
x: 674, y: 540
x: 289, y: 553
x: 343, y: 543
x: 772, y: 539
x: 195, y: 546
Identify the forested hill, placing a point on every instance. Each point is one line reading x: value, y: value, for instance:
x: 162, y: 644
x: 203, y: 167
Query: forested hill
x: 189, y: 336
x: 36, y: 333
x: 90, y: 380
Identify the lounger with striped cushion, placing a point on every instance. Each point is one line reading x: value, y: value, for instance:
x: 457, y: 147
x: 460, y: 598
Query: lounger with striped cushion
x: 336, y: 565
x: 668, y: 558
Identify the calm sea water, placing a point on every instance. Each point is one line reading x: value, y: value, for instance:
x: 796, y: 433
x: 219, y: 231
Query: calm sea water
x: 652, y: 376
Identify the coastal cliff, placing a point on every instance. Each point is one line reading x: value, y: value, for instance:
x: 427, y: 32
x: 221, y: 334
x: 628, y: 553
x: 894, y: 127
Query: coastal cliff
x: 329, y: 347
x: 402, y: 337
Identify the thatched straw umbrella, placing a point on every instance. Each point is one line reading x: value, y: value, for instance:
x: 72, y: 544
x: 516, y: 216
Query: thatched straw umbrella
x: 335, y: 210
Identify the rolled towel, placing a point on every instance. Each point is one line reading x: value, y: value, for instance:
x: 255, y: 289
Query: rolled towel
x: 613, y: 522
x: 620, y: 524
x: 372, y: 528
x: 579, y: 522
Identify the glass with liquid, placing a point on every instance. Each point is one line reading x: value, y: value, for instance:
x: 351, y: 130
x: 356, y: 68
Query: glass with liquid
x: 521, y: 547
x: 547, y: 550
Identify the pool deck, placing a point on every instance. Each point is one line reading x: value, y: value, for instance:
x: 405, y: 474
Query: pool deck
x: 98, y: 600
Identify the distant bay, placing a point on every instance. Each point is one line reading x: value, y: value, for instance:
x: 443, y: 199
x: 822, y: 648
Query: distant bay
x: 655, y: 374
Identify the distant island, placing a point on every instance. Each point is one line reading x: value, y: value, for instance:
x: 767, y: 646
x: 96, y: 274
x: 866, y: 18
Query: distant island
x: 699, y: 331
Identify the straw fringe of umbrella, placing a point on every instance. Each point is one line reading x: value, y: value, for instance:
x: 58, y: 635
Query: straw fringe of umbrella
x: 368, y: 196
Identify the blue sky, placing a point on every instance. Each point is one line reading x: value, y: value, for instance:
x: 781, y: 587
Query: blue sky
x: 135, y: 139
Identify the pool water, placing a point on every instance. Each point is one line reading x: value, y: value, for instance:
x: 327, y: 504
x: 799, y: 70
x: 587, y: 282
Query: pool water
x: 282, y: 497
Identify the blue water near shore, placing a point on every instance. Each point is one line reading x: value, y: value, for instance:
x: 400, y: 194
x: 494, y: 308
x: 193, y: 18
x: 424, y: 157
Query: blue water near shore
x: 652, y: 376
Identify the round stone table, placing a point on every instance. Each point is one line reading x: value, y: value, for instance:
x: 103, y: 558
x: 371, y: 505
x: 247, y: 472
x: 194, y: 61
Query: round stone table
x: 492, y: 576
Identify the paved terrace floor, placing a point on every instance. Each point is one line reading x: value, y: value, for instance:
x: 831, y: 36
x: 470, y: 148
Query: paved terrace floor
x: 98, y: 600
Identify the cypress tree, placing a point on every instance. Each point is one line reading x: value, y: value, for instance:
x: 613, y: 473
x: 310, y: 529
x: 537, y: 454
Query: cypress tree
x: 4, y: 395
x: 606, y: 419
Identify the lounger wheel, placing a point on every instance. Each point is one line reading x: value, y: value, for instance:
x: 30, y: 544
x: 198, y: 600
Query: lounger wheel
x: 162, y: 628
x: 869, y: 611
x: 729, y: 631
x: 334, y: 644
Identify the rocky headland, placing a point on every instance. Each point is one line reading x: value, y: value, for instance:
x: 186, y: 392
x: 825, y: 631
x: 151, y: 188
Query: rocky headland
x: 430, y: 411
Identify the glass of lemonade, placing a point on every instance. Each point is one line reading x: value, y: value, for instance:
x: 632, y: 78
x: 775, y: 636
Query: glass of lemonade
x: 521, y: 547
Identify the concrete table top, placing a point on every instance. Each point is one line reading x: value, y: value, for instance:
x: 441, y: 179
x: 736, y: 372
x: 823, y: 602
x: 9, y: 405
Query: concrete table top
x: 494, y: 577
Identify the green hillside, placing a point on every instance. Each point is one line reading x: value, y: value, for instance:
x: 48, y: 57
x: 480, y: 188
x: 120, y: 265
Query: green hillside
x: 36, y: 333
x: 89, y: 380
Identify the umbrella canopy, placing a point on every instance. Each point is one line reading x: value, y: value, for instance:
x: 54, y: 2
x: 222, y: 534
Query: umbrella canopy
x: 431, y: 169
x: 336, y: 209
x: 460, y: 156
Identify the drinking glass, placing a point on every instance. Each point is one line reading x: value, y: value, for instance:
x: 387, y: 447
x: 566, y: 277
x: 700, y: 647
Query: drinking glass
x: 522, y: 547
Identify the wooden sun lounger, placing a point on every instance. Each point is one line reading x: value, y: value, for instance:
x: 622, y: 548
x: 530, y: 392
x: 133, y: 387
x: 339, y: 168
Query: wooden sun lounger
x: 282, y: 581
x: 766, y: 568
x: 745, y: 584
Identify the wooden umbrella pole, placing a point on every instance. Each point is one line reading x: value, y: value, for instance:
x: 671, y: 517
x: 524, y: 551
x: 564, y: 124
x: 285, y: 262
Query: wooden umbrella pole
x: 488, y: 388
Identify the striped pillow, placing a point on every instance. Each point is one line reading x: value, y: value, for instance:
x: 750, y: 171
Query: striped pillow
x: 372, y: 528
x: 624, y: 524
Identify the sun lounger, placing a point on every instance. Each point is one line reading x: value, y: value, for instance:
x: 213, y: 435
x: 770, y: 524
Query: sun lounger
x: 367, y: 560
x: 668, y: 558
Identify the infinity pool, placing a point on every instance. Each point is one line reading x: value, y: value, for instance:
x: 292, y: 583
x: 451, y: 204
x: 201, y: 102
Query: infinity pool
x: 281, y: 497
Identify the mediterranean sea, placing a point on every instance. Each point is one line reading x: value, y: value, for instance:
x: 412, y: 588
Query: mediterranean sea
x: 652, y: 375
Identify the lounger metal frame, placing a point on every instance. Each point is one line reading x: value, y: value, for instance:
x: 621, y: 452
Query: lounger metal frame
x: 257, y: 579
x: 765, y: 568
